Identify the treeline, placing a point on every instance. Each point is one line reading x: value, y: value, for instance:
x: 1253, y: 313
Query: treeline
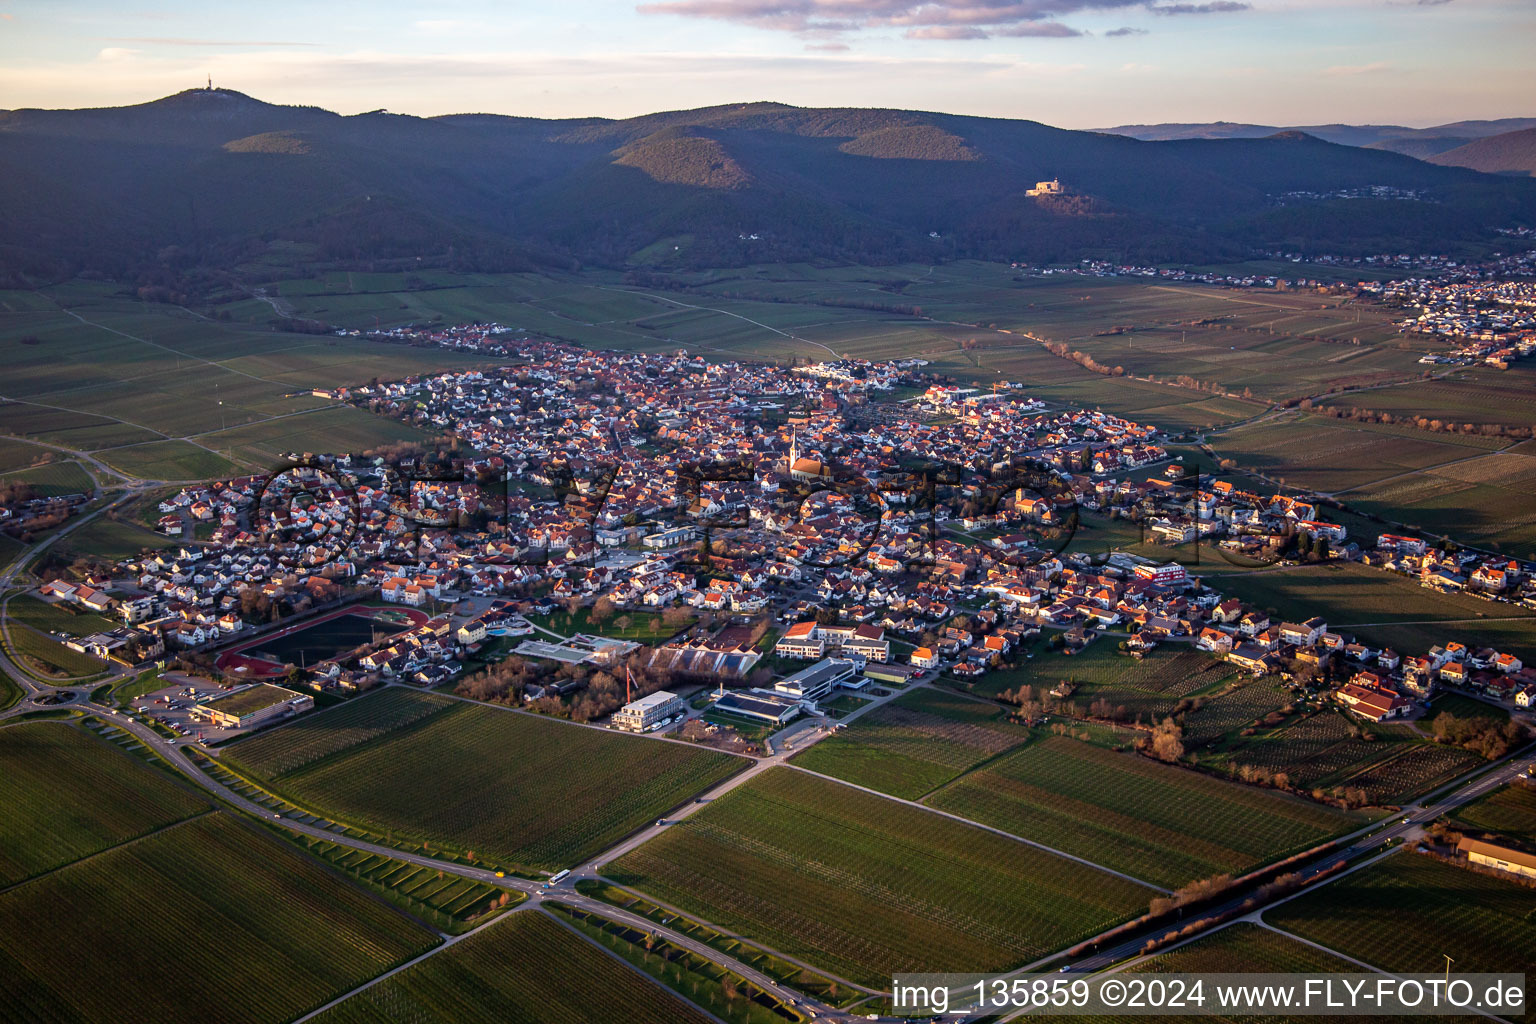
x: 1432, y: 424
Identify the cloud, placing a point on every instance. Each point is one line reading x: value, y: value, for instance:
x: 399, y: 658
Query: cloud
x: 1126, y: 31
x: 1213, y: 7
x: 1348, y: 70
x: 828, y: 47
x: 439, y: 25
x: 1036, y: 30
x: 179, y: 41
x: 920, y: 19
x: 116, y: 53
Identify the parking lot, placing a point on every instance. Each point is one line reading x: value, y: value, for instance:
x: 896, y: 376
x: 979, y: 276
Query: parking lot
x: 173, y: 707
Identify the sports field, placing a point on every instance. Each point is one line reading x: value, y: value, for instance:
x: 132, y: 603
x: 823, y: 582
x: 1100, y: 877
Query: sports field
x: 209, y: 920
x: 915, y: 743
x: 1153, y: 821
x: 68, y: 795
x: 1410, y: 912
x: 512, y: 788
x: 527, y: 969
x: 863, y: 886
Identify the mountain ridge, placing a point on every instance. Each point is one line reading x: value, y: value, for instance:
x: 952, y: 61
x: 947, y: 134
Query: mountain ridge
x: 205, y: 180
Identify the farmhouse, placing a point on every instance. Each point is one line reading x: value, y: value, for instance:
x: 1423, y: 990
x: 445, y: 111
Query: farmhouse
x: 1371, y: 703
x: 254, y: 705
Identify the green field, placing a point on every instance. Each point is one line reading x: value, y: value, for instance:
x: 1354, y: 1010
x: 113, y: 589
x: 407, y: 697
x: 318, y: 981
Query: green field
x: 47, y: 657
x: 1150, y: 820
x: 863, y: 886
x: 54, y: 479
x: 1147, y: 688
x: 48, y: 617
x: 1370, y: 603
x: 1410, y: 912
x: 68, y: 795
x: 526, y: 969
x: 1241, y: 948
x: 447, y: 901
x: 525, y: 790
x: 1509, y: 811
x: 1459, y: 485
x: 915, y: 743
x: 208, y: 920
x: 1390, y: 763
x: 169, y: 460
x: 10, y: 692
x: 644, y: 627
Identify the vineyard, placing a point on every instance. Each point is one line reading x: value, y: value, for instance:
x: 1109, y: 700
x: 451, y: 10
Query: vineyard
x: 1510, y: 811
x: 514, y: 789
x: 1319, y: 750
x: 447, y: 901
x: 1232, y: 712
x: 49, y: 658
x: 864, y: 886
x: 917, y: 742
x: 207, y: 921
x: 278, y: 752
x: 1153, y: 821
x: 524, y: 970
x: 1241, y: 948
x: 68, y: 795
x: 1410, y: 911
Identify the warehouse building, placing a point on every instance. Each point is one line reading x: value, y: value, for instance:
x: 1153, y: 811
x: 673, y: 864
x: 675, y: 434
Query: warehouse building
x: 763, y: 705
x: 255, y: 705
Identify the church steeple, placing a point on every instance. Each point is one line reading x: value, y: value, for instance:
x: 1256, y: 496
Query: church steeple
x: 794, y: 449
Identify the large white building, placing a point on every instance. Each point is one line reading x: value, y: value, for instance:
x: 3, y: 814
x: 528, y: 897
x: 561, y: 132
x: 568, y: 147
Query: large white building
x: 640, y: 715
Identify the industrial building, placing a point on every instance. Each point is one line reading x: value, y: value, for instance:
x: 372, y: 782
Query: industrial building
x: 255, y: 705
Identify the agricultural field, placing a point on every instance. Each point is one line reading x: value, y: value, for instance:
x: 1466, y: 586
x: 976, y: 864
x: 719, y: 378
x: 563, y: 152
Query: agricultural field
x: 54, y: 479
x: 1472, y: 394
x: 380, y: 766
x: 1509, y: 811
x: 68, y: 795
x: 209, y: 920
x: 527, y: 969
x: 1153, y: 821
x: 280, y: 752
x: 95, y: 370
x: 1368, y: 603
x: 47, y: 658
x: 1233, y: 711
x: 862, y: 886
x: 1326, y: 749
x: 1148, y: 688
x: 1241, y: 948
x: 446, y: 901
x: 1409, y: 912
x: 1462, y: 485
x: 169, y: 460
x: 917, y: 742
x: 50, y: 617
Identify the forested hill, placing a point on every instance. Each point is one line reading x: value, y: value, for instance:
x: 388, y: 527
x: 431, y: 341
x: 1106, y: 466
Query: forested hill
x: 211, y: 179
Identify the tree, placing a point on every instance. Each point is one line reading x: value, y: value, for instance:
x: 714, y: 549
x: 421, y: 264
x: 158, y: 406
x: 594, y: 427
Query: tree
x: 1168, y: 741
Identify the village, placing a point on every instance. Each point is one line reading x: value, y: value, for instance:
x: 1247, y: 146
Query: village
x: 861, y: 518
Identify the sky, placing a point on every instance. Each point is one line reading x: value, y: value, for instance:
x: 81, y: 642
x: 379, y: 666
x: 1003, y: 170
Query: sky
x: 1071, y: 63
